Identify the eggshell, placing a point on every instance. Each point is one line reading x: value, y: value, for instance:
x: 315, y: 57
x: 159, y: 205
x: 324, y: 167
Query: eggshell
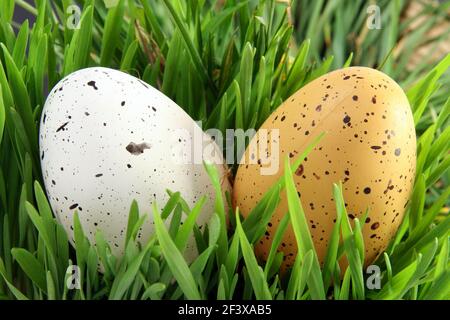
x: 370, y: 145
x: 106, y: 139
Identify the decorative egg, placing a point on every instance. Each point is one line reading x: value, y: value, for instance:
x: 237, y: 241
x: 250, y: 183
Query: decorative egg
x: 108, y: 138
x: 369, y: 145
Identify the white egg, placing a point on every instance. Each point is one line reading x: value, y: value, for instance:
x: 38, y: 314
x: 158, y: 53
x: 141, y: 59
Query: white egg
x: 108, y: 138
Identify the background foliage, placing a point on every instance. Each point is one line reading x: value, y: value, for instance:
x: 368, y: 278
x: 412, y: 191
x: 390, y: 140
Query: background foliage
x: 237, y: 61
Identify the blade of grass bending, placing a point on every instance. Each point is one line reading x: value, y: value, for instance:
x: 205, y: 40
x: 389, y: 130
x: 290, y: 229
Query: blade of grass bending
x: 103, y: 252
x: 298, y: 66
x: 305, y: 272
x: 440, y: 146
x: 2, y: 114
x: 42, y: 202
x: 170, y: 205
x: 444, y: 114
x: 195, y: 55
x: 402, y: 257
x: 77, y: 53
x: 294, y: 279
x: 399, y: 281
x: 255, y: 215
x: 299, y: 276
x: 351, y: 249
x: 128, y: 59
x: 81, y: 248
x: 388, y: 267
x: 417, y: 202
x: 440, y: 288
x: 233, y: 255
x: 175, y: 260
x: 429, y: 216
x: 239, y: 118
x: 31, y: 266
x: 245, y: 83
x: 348, y: 61
x: 302, y: 234
x: 123, y: 282
x: 186, y: 228
x: 50, y: 284
x: 197, y: 267
x: 7, y: 9
x: 20, y: 46
x: 219, y: 208
x: 133, y: 218
x: 111, y: 33
x: 332, y: 250
x: 442, y: 260
x: 258, y: 230
x: 320, y: 71
x: 276, y: 241
x: 417, y: 91
x: 255, y: 273
x: 40, y: 225
x: 427, y: 258
x: 154, y: 292
x: 21, y: 98
x: 222, y: 17
x: 19, y: 295
x: 345, y: 287
x: 438, y: 172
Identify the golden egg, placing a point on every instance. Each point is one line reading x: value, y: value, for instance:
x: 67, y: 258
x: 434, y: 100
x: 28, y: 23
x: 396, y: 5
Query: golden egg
x: 370, y: 146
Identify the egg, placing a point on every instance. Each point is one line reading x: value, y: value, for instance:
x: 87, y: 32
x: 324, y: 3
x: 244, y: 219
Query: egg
x: 369, y: 145
x: 108, y: 138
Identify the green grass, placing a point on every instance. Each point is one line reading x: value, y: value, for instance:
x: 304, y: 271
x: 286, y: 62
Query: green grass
x: 237, y: 64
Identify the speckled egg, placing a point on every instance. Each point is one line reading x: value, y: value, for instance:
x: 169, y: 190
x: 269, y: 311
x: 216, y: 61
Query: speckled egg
x: 369, y: 145
x: 108, y: 138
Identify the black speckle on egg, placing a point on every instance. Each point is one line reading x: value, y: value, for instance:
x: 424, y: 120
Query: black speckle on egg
x: 367, y: 190
x: 137, y: 149
x: 397, y: 152
x: 62, y: 127
x: 92, y: 84
x: 299, y: 171
x: 346, y: 119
